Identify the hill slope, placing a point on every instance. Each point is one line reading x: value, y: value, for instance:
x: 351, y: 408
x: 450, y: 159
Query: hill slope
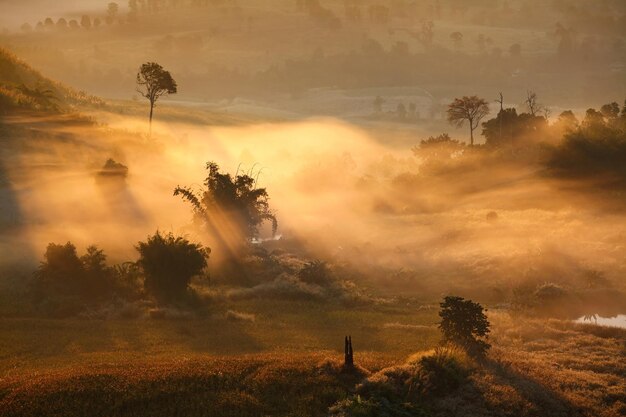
x: 22, y: 87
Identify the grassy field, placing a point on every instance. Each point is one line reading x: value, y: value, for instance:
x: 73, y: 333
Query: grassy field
x: 287, y: 363
x: 247, y: 327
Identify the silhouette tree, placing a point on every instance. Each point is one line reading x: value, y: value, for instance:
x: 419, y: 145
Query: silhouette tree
x: 85, y: 22
x: 232, y: 209
x: 64, y: 276
x: 169, y: 263
x: 532, y: 104
x: 153, y: 82
x: 112, y: 11
x: 463, y: 322
x: 472, y: 109
x: 513, y: 127
x: 515, y: 50
x: 401, y: 111
x: 62, y: 24
x: 378, y: 104
x: 457, y: 39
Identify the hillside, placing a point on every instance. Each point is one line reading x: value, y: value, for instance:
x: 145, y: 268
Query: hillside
x: 22, y: 87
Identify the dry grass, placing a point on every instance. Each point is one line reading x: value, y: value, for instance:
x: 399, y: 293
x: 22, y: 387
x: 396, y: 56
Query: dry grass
x: 174, y: 367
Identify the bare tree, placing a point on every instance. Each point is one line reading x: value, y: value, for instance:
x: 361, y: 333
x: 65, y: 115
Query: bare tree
x: 532, y: 104
x: 153, y: 82
x: 473, y: 109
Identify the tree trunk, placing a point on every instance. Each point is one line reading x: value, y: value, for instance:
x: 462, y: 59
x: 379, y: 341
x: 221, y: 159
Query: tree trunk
x: 151, y: 111
x: 471, y: 134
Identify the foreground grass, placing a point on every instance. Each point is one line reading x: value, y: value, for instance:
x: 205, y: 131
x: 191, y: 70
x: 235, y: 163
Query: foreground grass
x: 282, y: 359
x: 236, y: 328
x: 247, y: 385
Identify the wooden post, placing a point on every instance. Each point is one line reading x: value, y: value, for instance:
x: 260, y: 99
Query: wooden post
x: 349, y: 353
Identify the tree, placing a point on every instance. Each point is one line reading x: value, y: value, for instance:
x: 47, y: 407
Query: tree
x: 378, y: 104
x: 401, y: 111
x: 532, y: 103
x: 515, y: 50
x: 169, y: 263
x: 473, y: 109
x: 66, y: 277
x: 85, y: 22
x: 567, y: 121
x: 437, y: 153
x: 457, y: 39
x: 231, y: 209
x: 112, y: 11
x: 508, y: 127
x: 463, y: 322
x: 153, y: 82
x: 62, y: 24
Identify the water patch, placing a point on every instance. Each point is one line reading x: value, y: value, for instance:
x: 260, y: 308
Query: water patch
x: 615, y: 321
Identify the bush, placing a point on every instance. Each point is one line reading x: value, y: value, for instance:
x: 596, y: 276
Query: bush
x: 462, y: 323
x: 169, y: 263
x: 316, y: 272
x: 444, y: 371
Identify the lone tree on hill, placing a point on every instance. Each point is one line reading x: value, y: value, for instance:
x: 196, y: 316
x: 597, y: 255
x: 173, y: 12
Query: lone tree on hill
x: 473, y: 109
x: 153, y: 82
x: 462, y: 323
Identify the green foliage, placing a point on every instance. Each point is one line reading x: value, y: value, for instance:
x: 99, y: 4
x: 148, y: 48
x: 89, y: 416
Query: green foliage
x: 169, y: 263
x: 226, y: 199
x: 462, y: 323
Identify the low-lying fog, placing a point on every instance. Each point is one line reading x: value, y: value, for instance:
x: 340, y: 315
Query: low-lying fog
x: 336, y: 188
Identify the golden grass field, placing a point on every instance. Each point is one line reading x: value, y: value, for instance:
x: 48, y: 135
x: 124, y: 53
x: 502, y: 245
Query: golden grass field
x: 282, y: 359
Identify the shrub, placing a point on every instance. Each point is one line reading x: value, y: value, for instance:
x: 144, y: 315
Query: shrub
x: 316, y: 272
x: 462, y: 323
x: 443, y: 371
x: 549, y: 292
x: 169, y: 263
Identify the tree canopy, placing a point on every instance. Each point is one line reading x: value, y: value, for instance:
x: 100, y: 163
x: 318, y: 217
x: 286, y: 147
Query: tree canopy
x: 154, y: 82
x: 232, y: 208
x: 463, y: 322
x: 471, y: 109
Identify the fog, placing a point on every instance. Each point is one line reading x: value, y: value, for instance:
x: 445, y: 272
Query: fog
x: 322, y: 101
x: 336, y: 189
